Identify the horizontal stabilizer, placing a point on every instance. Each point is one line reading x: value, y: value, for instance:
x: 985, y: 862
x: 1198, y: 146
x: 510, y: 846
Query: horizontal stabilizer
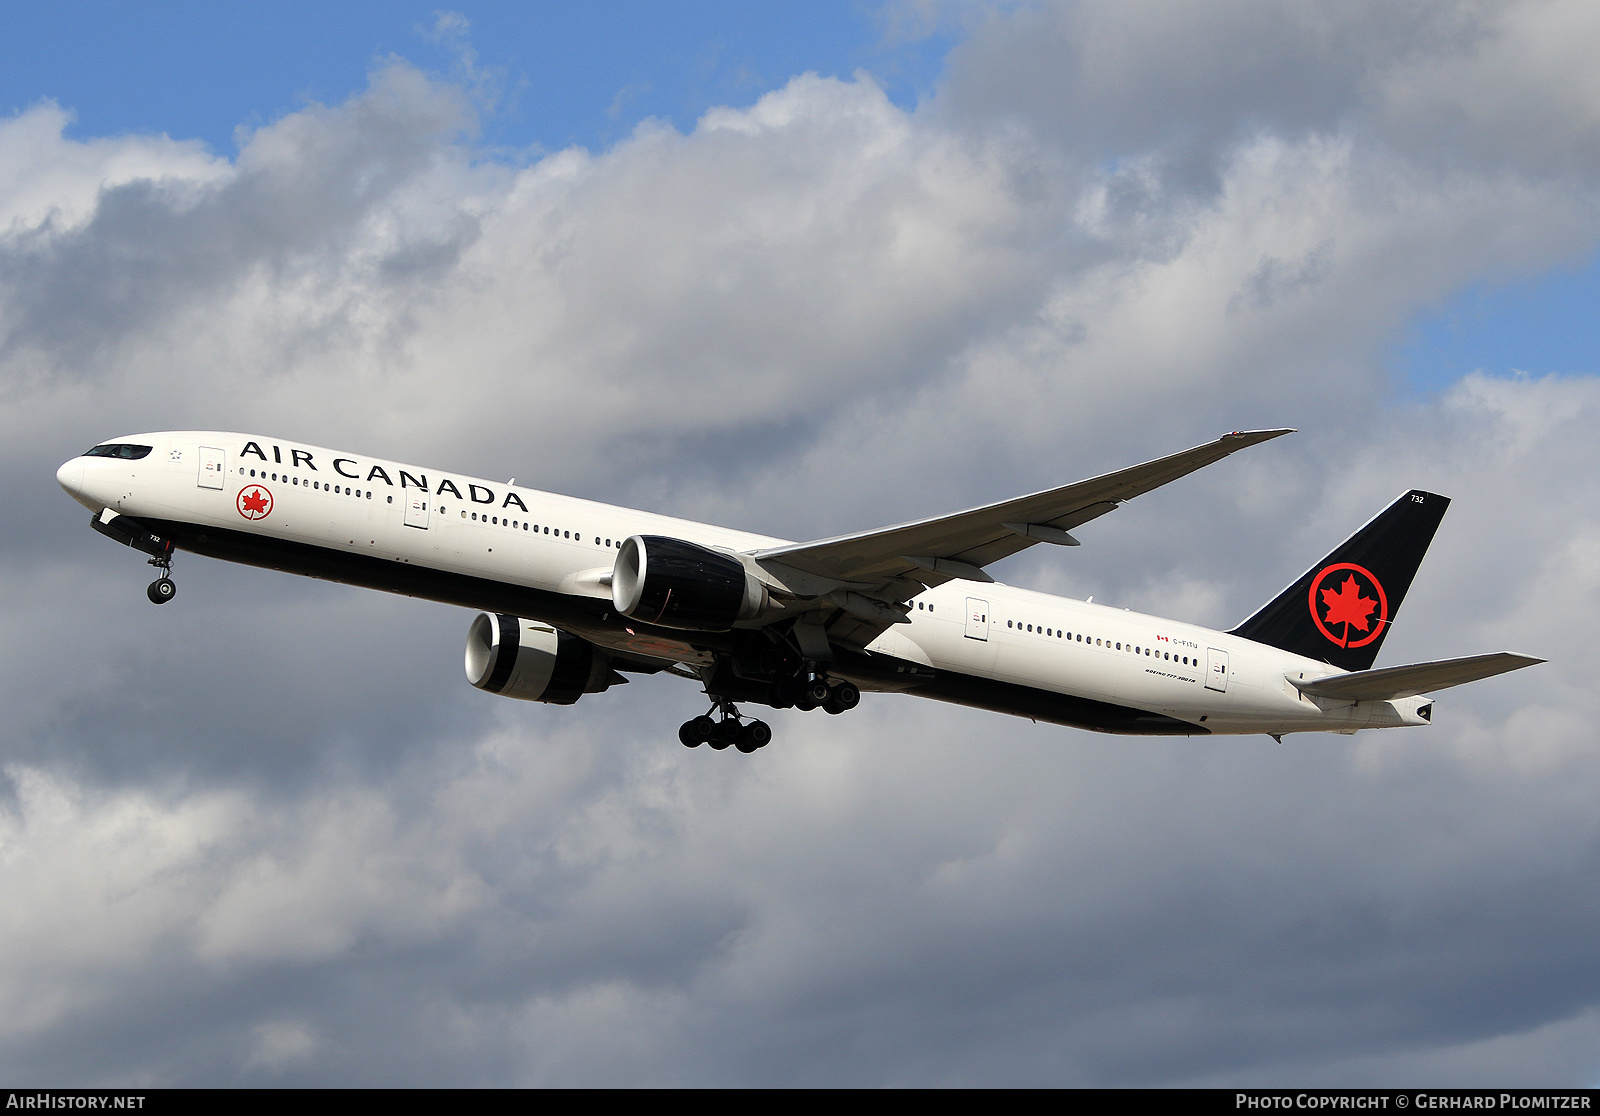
x: 1388, y: 683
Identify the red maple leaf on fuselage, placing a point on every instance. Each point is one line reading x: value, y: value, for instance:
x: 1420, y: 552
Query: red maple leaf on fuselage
x: 254, y: 501
x: 1348, y: 606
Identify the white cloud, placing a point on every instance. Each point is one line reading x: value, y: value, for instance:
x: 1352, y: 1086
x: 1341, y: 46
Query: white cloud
x: 281, y: 1044
x: 48, y: 184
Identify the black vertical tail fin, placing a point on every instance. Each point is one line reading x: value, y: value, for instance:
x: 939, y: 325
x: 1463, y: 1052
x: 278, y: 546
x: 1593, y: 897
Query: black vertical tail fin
x: 1340, y: 609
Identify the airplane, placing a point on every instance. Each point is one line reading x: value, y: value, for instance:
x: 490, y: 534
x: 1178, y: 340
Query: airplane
x: 575, y: 594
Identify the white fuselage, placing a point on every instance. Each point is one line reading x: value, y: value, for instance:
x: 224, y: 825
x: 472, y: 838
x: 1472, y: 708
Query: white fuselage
x: 362, y: 511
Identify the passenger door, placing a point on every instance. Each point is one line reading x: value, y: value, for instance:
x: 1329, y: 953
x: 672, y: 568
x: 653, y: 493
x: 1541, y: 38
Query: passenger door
x: 213, y: 463
x: 417, y: 510
x: 977, y: 619
x: 1216, y: 670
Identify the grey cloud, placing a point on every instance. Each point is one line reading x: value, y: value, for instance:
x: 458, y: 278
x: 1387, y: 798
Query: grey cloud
x: 1187, y: 81
x: 1030, y: 909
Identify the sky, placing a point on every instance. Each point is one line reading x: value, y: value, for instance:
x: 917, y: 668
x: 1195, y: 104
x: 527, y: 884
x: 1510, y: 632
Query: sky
x: 801, y: 270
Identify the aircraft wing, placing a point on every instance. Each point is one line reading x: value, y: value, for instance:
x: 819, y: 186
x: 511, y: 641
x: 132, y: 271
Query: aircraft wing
x: 1388, y: 683
x: 933, y: 551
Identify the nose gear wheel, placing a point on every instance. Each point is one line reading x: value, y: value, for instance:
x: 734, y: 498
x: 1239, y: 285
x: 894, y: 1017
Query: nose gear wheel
x: 163, y: 589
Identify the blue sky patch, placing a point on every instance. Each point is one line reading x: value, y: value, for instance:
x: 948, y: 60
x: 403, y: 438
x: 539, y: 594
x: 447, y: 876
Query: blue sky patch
x: 565, y: 74
x: 1547, y: 324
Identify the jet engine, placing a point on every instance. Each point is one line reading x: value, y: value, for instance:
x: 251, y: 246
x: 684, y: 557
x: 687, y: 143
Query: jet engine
x: 524, y: 659
x: 679, y: 584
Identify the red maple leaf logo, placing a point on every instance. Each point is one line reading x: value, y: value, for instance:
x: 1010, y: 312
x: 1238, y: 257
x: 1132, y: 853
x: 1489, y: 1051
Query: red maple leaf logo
x: 1348, y: 606
x: 255, y: 502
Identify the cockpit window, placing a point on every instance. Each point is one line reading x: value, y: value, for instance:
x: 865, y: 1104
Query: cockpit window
x: 126, y: 452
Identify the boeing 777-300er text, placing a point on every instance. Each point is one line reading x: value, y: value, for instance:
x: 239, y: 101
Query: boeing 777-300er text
x: 574, y: 594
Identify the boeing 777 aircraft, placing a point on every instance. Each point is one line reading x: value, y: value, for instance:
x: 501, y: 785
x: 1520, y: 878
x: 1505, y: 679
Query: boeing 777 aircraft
x: 575, y: 594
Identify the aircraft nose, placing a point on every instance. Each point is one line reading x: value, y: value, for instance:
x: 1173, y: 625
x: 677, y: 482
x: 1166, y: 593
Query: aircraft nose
x: 70, y: 476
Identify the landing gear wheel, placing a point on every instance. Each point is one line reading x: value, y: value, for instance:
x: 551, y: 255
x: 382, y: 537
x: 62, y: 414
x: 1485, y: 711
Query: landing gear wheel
x: 757, y: 734
x: 688, y: 737
x: 784, y: 692
x: 726, y: 732
x: 804, y: 703
x: 817, y: 690
x: 161, y: 591
x: 844, y: 696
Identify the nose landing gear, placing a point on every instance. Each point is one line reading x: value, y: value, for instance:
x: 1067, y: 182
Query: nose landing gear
x: 163, y: 589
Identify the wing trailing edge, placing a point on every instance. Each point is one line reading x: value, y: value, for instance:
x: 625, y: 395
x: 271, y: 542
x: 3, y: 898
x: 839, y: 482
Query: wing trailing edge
x: 969, y: 540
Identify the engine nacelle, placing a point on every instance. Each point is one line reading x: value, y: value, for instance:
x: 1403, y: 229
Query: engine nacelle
x: 679, y: 584
x: 523, y: 659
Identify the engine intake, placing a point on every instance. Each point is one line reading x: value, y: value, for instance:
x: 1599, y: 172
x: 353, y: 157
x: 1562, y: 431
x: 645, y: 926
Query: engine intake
x: 523, y: 659
x: 677, y: 584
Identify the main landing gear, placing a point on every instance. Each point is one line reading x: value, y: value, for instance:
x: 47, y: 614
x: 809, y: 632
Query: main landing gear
x: 813, y: 691
x: 726, y: 729
x: 163, y: 588
x: 802, y: 691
